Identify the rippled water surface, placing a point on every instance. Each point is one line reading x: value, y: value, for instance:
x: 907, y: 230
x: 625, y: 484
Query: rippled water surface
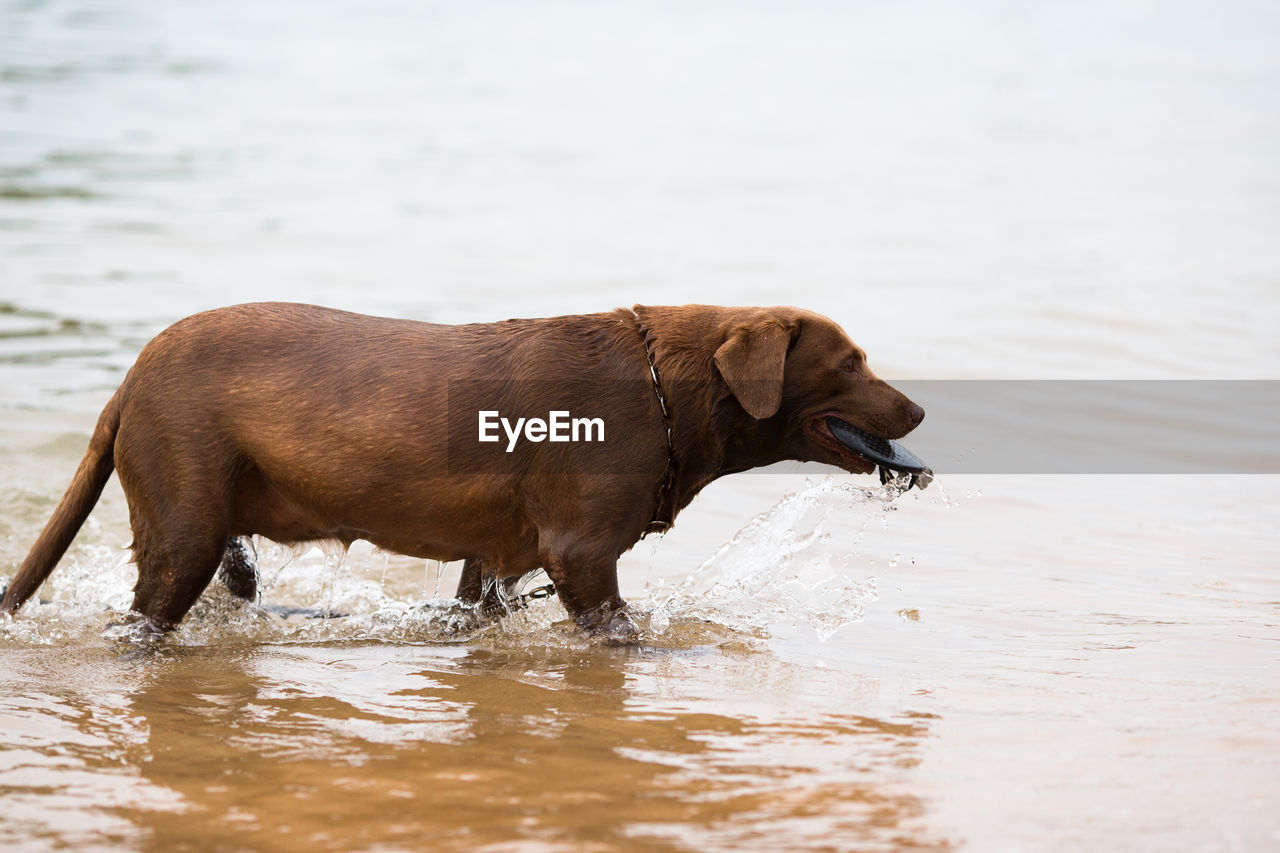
x: 986, y: 191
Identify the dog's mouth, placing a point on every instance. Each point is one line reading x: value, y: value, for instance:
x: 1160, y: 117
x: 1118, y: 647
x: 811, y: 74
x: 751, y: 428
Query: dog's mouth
x: 819, y: 430
x: 862, y: 452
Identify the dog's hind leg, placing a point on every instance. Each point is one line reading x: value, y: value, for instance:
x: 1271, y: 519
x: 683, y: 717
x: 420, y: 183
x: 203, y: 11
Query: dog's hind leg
x: 238, y: 570
x: 178, y: 542
x: 173, y: 571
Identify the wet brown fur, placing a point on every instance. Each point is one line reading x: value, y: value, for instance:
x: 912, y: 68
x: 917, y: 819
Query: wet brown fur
x: 301, y: 423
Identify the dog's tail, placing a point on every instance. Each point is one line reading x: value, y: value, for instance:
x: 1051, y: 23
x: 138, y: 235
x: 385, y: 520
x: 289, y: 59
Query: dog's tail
x: 95, y: 469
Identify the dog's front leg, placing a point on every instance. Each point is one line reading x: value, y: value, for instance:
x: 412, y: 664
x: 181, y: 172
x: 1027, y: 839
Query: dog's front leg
x: 471, y: 584
x: 588, y: 588
x: 481, y: 586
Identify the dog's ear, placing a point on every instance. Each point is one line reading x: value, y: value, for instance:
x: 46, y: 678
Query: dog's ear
x: 751, y: 362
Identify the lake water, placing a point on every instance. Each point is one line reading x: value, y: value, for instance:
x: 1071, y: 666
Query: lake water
x: 995, y: 191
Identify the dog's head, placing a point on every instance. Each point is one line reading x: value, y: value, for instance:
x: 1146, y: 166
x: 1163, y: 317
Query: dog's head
x: 791, y: 369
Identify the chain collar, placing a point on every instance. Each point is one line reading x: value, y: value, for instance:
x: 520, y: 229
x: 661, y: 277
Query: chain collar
x: 664, y: 513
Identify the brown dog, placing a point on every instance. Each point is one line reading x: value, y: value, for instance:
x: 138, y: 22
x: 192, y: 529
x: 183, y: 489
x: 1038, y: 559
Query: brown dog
x: 302, y: 423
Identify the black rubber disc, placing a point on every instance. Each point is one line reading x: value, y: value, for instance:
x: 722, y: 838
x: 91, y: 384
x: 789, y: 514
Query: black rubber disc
x: 885, y: 452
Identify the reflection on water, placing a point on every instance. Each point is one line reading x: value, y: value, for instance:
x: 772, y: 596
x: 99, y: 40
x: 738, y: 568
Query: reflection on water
x: 249, y: 729
x: 355, y: 746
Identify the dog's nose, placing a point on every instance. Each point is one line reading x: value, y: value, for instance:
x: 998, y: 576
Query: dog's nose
x: 915, y: 414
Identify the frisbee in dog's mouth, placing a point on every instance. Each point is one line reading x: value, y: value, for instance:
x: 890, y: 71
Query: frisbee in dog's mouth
x: 884, y: 452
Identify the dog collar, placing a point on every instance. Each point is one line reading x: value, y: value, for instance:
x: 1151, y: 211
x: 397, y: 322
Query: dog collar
x: 664, y: 513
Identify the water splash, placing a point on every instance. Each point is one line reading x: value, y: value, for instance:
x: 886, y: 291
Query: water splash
x: 795, y: 564
x: 83, y: 595
x: 784, y: 567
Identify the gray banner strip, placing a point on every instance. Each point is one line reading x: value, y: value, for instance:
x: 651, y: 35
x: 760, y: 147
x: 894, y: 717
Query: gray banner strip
x: 970, y: 426
x: 1097, y: 426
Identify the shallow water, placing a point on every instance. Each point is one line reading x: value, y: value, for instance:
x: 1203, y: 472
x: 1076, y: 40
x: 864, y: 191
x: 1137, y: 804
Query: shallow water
x: 993, y: 191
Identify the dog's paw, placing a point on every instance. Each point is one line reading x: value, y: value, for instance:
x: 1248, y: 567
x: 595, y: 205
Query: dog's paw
x: 135, y: 637
x: 611, y: 625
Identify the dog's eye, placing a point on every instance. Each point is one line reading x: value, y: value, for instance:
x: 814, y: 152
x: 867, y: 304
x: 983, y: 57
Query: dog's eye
x: 849, y: 366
